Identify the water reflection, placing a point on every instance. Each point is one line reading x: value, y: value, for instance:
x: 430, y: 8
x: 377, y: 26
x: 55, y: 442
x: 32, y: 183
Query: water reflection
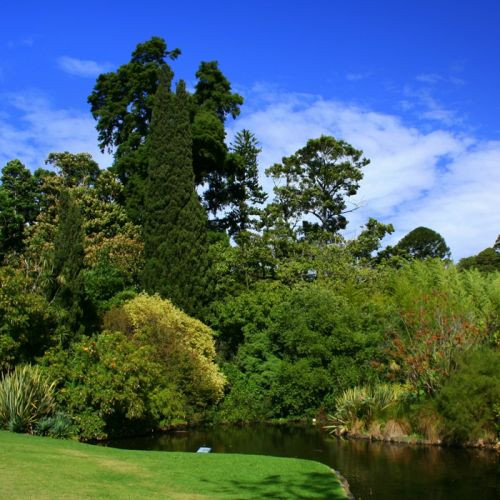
x: 373, y: 469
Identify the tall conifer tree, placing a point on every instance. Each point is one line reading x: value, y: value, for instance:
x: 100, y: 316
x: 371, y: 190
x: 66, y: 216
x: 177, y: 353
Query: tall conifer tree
x: 68, y: 260
x: 175, y: 222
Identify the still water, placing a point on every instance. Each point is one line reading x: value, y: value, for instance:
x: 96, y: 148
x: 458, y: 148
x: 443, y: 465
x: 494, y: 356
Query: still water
x: 374, y: 470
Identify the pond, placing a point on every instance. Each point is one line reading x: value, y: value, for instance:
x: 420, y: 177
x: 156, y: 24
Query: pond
x: 374, y: 470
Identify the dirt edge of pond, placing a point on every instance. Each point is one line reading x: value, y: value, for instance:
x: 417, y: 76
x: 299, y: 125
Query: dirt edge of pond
x: 344, y: 483
x: 411, y: 440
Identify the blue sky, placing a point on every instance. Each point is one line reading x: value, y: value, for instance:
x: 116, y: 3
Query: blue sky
x: 414, y: 84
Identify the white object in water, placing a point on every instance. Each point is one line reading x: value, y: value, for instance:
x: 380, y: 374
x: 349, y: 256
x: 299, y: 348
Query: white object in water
x: 204, y: 450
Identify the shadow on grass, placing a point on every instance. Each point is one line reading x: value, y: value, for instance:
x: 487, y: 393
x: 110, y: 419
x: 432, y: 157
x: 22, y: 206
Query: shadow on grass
x: 305, y: 485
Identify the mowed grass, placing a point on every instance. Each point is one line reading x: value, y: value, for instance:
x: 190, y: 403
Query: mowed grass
x: 38, y: 468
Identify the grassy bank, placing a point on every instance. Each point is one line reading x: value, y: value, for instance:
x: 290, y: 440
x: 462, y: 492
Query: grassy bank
x: 36, y: 467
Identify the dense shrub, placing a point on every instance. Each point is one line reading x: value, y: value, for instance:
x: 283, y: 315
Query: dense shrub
x: 183, y: 346
x: 469, y: 401
x: 26, y: 396
x: 246, y: 400
x: 103, y: 282
x: 437, y: 315
x: 298, y: 352
x: 241, y: 318
x: 110, y: 385
x: 27, y: 321
x: 359, y: 406
x: 58, y: 425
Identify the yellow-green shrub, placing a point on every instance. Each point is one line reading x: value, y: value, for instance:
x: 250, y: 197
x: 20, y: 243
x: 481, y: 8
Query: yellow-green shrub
x: 183, y: 345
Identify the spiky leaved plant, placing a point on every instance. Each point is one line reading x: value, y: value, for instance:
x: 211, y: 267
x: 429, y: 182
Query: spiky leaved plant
x: 361, y: 405
x: 25, y: 396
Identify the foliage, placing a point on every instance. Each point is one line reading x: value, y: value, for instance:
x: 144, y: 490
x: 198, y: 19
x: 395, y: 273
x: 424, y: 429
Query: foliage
x: 213, y: 91
x: 239, y: 188
x: 212, y: 102
x: 439, y: 314
x: 209, y: 153
x: 183, y: 346
x: 292, y: 343
x: 102, y: 282
x: 26, y: 396
x: 245, y: 315
x: 75, y: 170
x: 175, y: 223
x: 245, y: 401
x: 108, y: 233
x: 108, y: 230
x: 361, y: 405
x: 110, y: 385
x: 486, y: 261
x: 18, y: 206
x: 369, y: 240
x: 27, y: 321
x: 421, y: 243
x: 317, y: 179
x: 470, y: 400
x: 122, y: 104
x: 58, y: 426
x: 68, y: 262
x: 299, y: 312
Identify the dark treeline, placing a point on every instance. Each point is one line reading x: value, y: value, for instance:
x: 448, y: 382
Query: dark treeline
x: 169, y: 289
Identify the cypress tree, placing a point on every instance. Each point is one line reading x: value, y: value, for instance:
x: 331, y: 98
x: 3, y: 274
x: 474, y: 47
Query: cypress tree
x: 175, y: 222
x: 68, y: 289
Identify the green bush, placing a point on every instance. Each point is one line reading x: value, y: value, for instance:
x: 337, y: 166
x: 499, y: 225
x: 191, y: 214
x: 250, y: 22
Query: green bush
x: 298, y: 389
x: 110, y: 385
x: 26, y: 396
x: 58, y: 425
x: 246, y: 401
x: 293, y: 343
x: 436, y: 315
x: 183, y: 346
x: 359, y: 406
x: 27, y: 320
x: 469, y: 400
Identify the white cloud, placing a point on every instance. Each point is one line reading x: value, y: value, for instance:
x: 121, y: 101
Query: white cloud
x: 426, y: 107
x: 27, y: 41
x: 436, y: 178
x: 81, y: 67
x: 434, y: 78
x: 355, y: 77
x: 38, y: 129
x: 430, y: 78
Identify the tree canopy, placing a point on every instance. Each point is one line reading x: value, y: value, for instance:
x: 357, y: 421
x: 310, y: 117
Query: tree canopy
x: 316, y: 181
x: 122, y: 104
x: 422, y: 243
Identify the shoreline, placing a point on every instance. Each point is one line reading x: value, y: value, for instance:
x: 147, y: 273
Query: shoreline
x: 410, y: 440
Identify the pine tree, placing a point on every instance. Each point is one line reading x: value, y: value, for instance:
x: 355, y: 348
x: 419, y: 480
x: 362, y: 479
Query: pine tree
x: 245, y: 182
x: 175, y: 222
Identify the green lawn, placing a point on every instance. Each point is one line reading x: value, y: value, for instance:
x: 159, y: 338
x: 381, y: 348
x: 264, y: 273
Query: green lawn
x: 36, y: 467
